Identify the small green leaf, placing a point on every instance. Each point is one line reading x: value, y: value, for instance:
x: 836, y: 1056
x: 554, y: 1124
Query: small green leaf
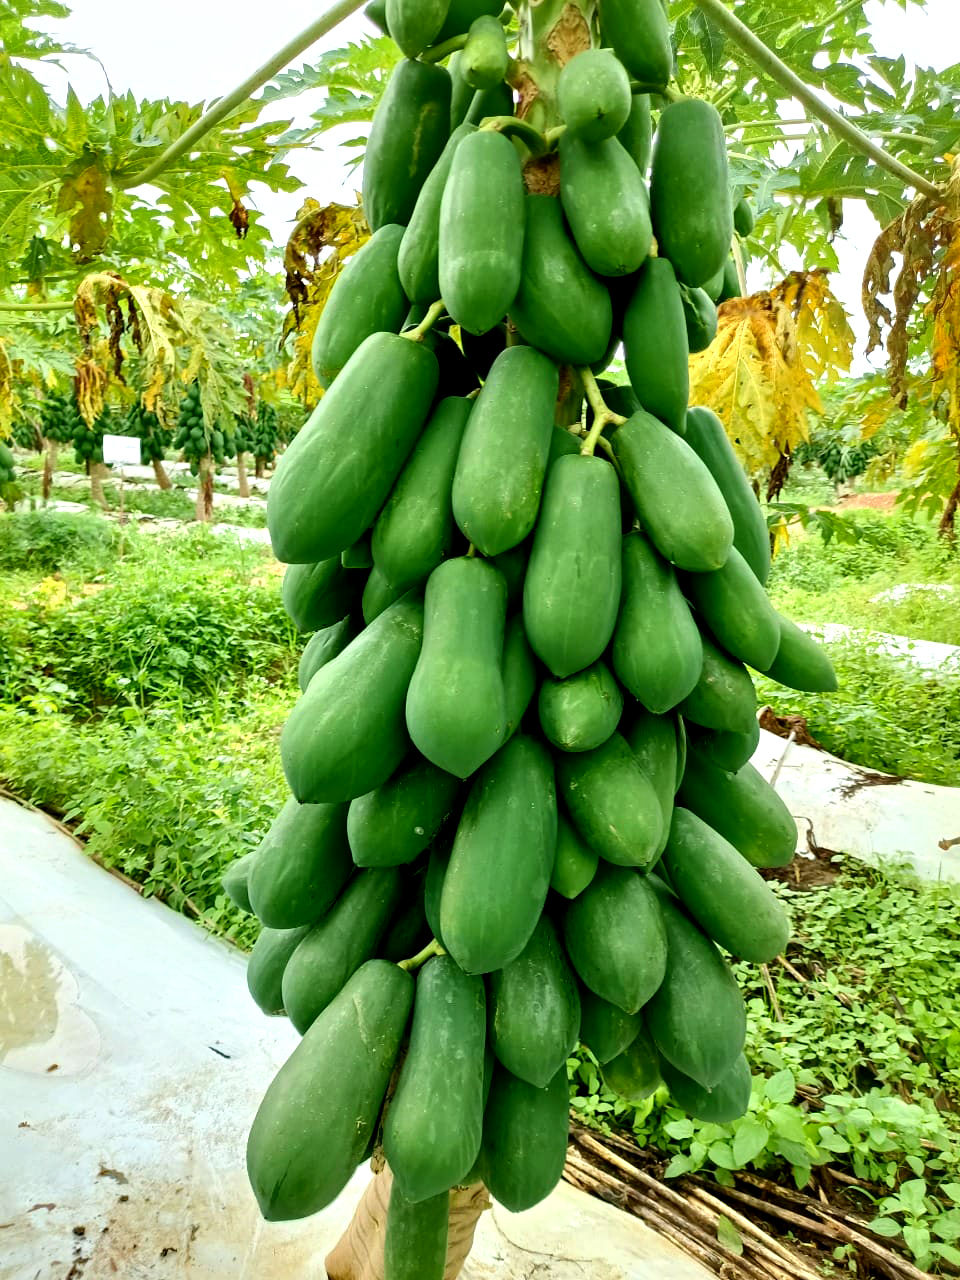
x: 749, y: 1140
x: 728, y: 1236
x: 885, y: 1226
x: 780, y: 1087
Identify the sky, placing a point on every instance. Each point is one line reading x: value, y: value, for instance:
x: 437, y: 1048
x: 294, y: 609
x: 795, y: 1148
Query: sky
x: 199, y: 49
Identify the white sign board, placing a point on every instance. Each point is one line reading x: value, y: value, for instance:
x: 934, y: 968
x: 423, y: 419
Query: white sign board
x: 121, y: 450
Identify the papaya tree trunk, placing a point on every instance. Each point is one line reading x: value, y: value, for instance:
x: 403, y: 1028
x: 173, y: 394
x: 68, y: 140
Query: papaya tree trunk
x: 50, y: 452
x: 204, y: 509
x: 160, y: 474
x: 98, y: 473
x: 947, y: 528
x: 260, y: 468
x: 243, y: 484
x: 359, y: 1253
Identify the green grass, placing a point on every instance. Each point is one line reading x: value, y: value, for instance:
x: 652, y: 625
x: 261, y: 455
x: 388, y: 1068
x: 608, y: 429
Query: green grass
x: 837, y: 582
x: 887, y: 714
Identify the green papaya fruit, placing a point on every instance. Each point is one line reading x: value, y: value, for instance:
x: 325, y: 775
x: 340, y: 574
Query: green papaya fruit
x: 485, y: 103
x: 615, y: 938
x: 724, y: 697
x: 525, y: 1131
x: 415, y: 1242
x: 751, y: 537
x: 606, y: 1030
x: 519, y: 674
x: 726, y: 896
x: 503, y: 454
x: 606, y: 204
x: 357, y: 555
x: 727, y: 750
x: 677, y: 500
x: 332, y: 480
x: 481, y: 231
x: 727, y: 1101
x: 415, y: 24
x: 338, y: 945
x: 327, y: 1096
x: 418, y: 261
x: 456, y: 708
x: 696, y: 1016
x: 700, y: 317
x: 317, y: 595
x: 731, y: 282
x: 484, y: 58
x: 639, y: 34
x: 801, y: 663
x: 367, y: 297
x: 236, y: 881
x: 433, y: 886
x: 612, y: 802
x: 743, y: 808
x: 654, y: 743
x: 322, y: 647
x: 571, y: 593
x: 743, y: 219
x: 634, y: 1074
x: 499, y: 872
x: 393, y: 824
x: 657, y: 651
x: 302, y: 863
x: 560, y: 307
x: 461, y: 15
x: 693, y: 222
x: 593, y: 95
x: 735, y: 607
x: 266, y: 963
x: 347, y: 733
x: 581, y: 712
x: 637, y: 134
x: 535, y: 1009
x: 408, y: 932
x: 410, y: 128
x: 434, y: 1125
x: 575, y: 863
x: 414, y: 531
x: 378, y: 594
x: 655, y: 348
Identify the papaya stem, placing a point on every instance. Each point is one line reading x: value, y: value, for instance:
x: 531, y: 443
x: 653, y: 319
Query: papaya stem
x: 433, y: 948
x: 767, y: 61
x: 225, y: 106
x: 532, y: 138
x: 37, y: 306
x: 607, y: 448
x: 602, y: 415
x: 440, y: 51
x: 471, y: 551
x: 553, y: 135
x: 434, y: 312
x: 741, y: 267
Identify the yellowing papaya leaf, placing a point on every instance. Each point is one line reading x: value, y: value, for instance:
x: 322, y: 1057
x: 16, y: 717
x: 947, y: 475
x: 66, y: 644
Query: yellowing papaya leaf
x: 86, y: 195
x: 178, y: 340
x: 945, y: 308
x: 6, y: 392
x: 759, y: 375
x: 323, y: 238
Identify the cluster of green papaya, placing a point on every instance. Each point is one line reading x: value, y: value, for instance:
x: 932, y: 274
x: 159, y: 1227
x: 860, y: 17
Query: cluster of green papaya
x: 520, y: 764
x: 264, y: 438
x: 7, y: 463
x: 59, y: 416
x: 88, y: 437
x: 194, y: 439
x: 154, y: 439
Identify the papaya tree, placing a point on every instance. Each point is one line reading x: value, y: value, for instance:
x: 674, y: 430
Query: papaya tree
x: 521, y: 753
